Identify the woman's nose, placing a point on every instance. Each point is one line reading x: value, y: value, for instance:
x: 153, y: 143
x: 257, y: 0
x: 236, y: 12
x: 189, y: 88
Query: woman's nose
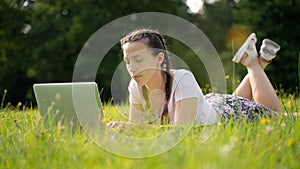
x: 132, y: 69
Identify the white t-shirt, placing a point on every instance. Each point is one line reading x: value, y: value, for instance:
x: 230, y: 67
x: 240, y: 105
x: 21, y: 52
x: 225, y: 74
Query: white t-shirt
x: 184, y: 86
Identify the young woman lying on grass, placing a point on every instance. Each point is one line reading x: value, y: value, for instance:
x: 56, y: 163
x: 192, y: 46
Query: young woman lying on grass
x: 160, y: 95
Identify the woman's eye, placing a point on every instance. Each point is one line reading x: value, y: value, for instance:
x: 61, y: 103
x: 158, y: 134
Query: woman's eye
x: 139, y: 60
x: 127, y: 62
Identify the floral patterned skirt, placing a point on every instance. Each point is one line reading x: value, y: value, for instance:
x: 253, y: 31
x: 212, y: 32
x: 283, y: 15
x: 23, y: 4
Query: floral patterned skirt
x: 230, y: 106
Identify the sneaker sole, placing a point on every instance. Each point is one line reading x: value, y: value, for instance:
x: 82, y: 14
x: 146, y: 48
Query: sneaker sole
x: 272, y: 43
x: 272, y: 53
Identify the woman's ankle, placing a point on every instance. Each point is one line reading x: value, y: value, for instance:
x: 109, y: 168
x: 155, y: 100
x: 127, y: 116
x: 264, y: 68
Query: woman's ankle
x: 263, y: 62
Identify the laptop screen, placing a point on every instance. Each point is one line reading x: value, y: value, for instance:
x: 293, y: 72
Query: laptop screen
x: 69, y: 103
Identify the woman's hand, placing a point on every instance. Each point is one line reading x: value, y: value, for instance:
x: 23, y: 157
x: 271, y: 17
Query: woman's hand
x: 116, y: 125
x: 127, y: 126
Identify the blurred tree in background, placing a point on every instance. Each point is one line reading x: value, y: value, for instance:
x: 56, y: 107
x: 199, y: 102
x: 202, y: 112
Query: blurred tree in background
x: 278, y: 20
x: 40, y: 40
x: 13, y: 63
x: 55, y: 33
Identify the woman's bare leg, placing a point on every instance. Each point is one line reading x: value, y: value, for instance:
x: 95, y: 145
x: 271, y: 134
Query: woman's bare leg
x: 256, y: 81
x: 244, y: 89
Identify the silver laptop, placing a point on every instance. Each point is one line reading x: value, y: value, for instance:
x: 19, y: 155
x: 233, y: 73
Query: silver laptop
x: 69, y: 103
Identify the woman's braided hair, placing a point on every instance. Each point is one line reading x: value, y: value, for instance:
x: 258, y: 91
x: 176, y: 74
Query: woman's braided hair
x: 155, y: 40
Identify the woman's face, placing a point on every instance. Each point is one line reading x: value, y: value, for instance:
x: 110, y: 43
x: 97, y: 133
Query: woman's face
x: 141, y: 64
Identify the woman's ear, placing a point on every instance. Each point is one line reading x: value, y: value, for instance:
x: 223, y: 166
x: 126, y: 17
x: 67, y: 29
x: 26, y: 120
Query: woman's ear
x: 161, y: 57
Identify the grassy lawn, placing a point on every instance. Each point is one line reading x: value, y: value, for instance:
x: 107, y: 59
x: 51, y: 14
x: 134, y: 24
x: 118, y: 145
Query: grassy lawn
x: 25, y: 142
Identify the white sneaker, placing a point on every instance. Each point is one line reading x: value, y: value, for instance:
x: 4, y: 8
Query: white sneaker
x: 268, y: 49
x: 247, y: 50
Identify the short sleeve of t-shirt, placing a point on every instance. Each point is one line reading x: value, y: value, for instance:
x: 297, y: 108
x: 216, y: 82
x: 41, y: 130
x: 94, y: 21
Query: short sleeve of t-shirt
x: 186, y: 86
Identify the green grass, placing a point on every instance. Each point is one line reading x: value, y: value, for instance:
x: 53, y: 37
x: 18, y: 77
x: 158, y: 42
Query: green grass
x: 25, y: 142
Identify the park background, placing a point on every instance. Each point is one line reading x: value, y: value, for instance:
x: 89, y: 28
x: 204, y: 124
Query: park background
x: 41, y: 40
